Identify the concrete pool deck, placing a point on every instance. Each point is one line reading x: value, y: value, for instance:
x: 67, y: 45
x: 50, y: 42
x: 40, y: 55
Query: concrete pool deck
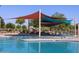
x: 49, y: 39
x: 52, y: 40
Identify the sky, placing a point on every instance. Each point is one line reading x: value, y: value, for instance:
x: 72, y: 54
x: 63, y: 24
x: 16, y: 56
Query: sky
x: 11, y: 11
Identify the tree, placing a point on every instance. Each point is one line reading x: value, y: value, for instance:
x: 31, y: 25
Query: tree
x: 24, y: 29
x: 10, y: 26
x: 18, y: 27
x: 35, y: 23
x: 20, y: 21
x: 2, y: 23
x: 59, y: 15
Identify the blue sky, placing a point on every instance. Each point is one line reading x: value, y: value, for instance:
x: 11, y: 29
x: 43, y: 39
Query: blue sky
x: 11, y: 11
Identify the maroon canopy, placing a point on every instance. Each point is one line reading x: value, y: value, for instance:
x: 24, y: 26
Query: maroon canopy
x: 30, y: 16
x: 35, y: 16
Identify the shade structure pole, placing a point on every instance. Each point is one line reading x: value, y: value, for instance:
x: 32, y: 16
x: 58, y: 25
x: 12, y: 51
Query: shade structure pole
x: 39, y: 23
x: 75, y: 27
x: 27, y: 24
x: 39, y: 29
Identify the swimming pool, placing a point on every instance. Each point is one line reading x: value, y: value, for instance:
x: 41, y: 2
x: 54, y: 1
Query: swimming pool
x: 15, y: 44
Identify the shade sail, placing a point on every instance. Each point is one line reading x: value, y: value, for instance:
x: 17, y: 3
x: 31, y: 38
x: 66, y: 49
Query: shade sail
x: 45, y: 19
x: 52, y: 20
x: 30, y: 16
x: 49, y: 23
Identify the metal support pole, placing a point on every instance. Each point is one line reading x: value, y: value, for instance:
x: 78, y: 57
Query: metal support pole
x: 39, y: 23
x: 75, y: 27
x: 39, y: 29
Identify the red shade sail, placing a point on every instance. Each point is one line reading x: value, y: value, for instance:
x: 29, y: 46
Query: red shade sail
x: 34, y: 16
x: 31, y: 16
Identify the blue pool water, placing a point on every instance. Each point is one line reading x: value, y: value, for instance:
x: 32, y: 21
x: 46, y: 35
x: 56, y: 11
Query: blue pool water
x: 17, y: 45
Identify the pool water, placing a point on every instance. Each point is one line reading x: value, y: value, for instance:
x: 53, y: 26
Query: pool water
x: 15, y: 44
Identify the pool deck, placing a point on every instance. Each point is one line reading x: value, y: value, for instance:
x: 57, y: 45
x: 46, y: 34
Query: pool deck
x: 52, y: 40
x: 4, y: 36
